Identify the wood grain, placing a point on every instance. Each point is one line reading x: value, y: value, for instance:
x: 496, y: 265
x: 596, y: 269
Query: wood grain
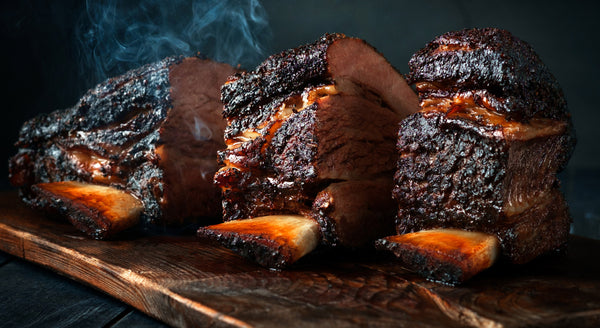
x: 184, y: 282
x: 66, y: 305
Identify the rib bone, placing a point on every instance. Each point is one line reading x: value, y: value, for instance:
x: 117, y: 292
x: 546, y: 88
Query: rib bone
x: 274, y: 241
x: 446, y: 255
x: 99, y: 211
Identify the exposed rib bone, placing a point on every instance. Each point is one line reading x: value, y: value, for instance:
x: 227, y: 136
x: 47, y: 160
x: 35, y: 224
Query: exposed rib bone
x: 99, y: 211
x: 274, y: 241
x: 445, y: 255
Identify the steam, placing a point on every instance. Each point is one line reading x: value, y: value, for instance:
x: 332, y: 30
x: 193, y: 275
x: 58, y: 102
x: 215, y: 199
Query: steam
x: 200, y: 130
x: 115, y: 36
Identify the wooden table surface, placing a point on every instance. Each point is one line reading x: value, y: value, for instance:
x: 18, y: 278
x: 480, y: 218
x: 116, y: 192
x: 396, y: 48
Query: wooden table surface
x: 184, y: 282
x: 33, y: 296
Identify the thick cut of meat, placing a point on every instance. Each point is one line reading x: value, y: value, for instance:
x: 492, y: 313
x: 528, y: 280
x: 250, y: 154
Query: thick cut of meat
x: 349, y: 63
x: 484, y: 151
x: 307, y: 117
x: 153, y: 132
x: 311, y: 131
x: 337, y: 138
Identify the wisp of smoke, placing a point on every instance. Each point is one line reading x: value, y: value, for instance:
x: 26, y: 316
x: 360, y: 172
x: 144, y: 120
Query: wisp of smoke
x: 114, y: 36
x: 200, y: 130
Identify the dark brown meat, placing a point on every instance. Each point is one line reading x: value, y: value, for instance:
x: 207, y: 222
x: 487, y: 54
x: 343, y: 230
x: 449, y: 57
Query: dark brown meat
x: 484, y: 151
x: 337, y: 138
x: 305, y: 125
x: 495, y: 68
x: 350, y: 212
x: 153, y: 132
x: 350, y: 63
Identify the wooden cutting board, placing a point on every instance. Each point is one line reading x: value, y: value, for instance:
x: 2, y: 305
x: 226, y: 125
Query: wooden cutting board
x: 185, y: 282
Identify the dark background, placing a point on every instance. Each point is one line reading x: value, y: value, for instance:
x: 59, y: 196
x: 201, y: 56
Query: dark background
x: 43, y: 70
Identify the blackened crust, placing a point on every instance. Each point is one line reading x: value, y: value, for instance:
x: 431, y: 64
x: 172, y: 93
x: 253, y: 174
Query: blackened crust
x: 146, y: 87
x: 448, y: 174
x: 279, y: 76
x: 490, y: 59
x: 121, y: 112
x: 141, y: 131
x: 261, y: 250
x: 454, y: 173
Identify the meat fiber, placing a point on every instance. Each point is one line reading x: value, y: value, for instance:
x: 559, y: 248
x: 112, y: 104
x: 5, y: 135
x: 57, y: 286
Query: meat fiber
x: 484, y: 151
x: 305, y: 118
x: 311, y: 132
x: 153, y: 132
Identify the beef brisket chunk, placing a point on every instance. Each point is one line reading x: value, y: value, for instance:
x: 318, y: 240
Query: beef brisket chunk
x: 307, y: 130
x: 484, y: 151
x: 152, y: 132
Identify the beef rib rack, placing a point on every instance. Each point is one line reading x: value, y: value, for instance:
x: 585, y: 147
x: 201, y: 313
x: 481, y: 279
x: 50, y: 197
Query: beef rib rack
x: 310, y: 137
x: 145, y: 141
x: 484, y: 151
